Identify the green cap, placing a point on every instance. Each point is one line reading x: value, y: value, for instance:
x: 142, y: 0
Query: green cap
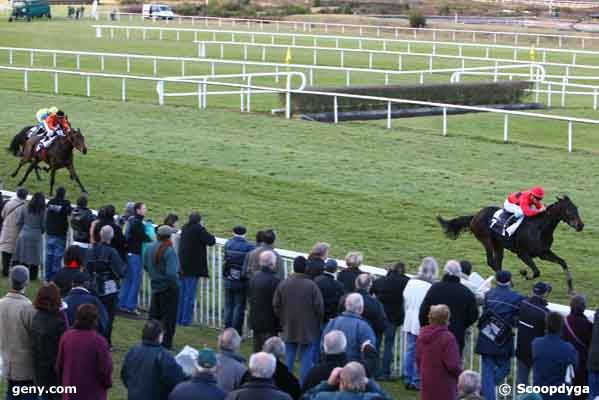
x: 207, y: 358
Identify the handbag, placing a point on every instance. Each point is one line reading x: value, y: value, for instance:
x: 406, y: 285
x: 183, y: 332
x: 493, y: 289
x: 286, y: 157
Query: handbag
x: 494, y: 328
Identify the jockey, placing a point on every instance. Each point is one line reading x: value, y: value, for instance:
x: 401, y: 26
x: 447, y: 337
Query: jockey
x: 40, y: 116
x: 524, y: 204
x: 55, y: 124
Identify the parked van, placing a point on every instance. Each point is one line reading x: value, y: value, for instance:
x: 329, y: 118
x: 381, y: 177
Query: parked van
x: 28, y: 9
x: 159, y: 11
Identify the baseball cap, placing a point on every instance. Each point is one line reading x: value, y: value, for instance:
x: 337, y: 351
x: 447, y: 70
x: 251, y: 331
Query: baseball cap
x: 206, y: 358
x: 541, y: 288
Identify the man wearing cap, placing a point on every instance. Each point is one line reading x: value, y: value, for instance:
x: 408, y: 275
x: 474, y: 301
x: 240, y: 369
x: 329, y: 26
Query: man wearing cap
x: 162, y: 264
x: 16, y: 316
x: 79, y: 295
x: 531, y: 325
x: 202, y: 385
x: 236, y: 278
x: 500, y: 309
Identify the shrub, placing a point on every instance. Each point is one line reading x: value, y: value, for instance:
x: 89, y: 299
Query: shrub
x: 315, y: 3
x: 127, y: 2
x: 444, y: 9
x: 187, y: 9
x: 417, y: 19
x: 295, y: 9
x: 472, y: 93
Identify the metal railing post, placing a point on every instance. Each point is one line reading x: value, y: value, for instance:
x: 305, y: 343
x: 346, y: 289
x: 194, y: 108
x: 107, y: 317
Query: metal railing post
x: 124, y: 89
x: 444, y: 121
x: 88, y: 86
x: 569, y: 136
x: 25, y: 81
x: 56, y: 83
x: 335, y: 110
x: 388, y: 115
x: 505, y: 128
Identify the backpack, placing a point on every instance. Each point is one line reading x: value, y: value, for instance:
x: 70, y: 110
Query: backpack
x: 104, y: 280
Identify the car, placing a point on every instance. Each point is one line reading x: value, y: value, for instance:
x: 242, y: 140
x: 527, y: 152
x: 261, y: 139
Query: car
x: 29, y: 9
x: 159, y: 11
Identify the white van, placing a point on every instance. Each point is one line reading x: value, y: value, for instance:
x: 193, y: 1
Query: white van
x: 159, y: 11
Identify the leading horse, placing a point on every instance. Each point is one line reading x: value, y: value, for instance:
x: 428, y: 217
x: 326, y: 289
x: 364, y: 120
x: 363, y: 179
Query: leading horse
x: 533, y: 238
x: 58, y: 155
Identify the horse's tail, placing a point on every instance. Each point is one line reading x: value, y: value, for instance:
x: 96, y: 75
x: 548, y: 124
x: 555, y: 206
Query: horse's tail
x: 17, y: 142
x: 454, y: 227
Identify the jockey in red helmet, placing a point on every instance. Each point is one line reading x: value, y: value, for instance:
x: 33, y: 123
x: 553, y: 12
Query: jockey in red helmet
x: 524, y: 204
x: 56, y: 124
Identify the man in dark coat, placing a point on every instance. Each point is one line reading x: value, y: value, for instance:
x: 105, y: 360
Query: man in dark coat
x: 81, y: 221
x: 348, y: 275
x: 315, y: 264
x: 260, y: 384
x: 79, y: 295
x: 194, y: 264
x: 531, y: 325
x: 332, y: 291
x: 106, y: 217
x: 202, y: 385
x: 149, y: 371
x: 57, y: 227
x: 263, y: 320
x: 389, y: 291
x: 501, y: 306
x: 459, y: 299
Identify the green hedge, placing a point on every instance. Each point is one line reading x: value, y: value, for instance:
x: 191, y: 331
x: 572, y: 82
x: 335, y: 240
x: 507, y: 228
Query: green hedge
x: 474, y: 93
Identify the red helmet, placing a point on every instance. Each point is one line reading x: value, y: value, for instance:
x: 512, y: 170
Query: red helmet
x: 538, y: 192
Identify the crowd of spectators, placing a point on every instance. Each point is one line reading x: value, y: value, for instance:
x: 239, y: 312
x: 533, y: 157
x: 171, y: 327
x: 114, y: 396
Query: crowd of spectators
x: 340, y: 324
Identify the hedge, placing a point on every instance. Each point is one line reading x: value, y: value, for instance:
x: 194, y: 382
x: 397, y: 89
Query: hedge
x: 473, y: 93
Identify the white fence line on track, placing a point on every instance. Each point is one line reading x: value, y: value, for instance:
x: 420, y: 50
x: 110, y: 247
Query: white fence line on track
x: 379, y: 30
x: 247, y: 89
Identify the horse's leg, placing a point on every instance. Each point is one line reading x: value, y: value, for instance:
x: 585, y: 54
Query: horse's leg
x: 21, y: 163
x: 74, y: 175
x: 554, y: 258
x: 527, y: 259
x: 498, y: 250
x: 52, y: 175
x: 32, y: 166
x: 37, y: 174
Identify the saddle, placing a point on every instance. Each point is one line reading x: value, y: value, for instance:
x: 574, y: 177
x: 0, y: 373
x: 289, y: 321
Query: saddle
x: 36, y: 130
x: 502, y: 220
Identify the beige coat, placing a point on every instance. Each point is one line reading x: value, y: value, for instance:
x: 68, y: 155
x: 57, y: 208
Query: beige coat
x: 16, y: 316
x: 10, y: 213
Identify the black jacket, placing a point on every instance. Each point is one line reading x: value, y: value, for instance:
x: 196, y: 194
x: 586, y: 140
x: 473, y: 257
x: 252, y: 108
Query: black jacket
x: 461, y: 303
x: 81, y: 220
x: 348, y: 278
x: 262, y: 289
x: 46, y: 330
x: 283, y: 379
x: 64, y: 280
x: 258, y: 389
x: 314, y: 267
x: 136, y: 234
x: 389, y: 291
x: 321, y: 372
x: 192, y: 250
x: 118, y: 242
x: 57, y: 214
x: 531, y: 325
x: 374, y: 313
x: 104, y: 264
x: 332, y: 291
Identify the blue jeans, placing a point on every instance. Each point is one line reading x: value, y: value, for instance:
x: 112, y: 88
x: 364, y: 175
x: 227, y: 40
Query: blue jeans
x: 593, y: 385
x: 187, y: 300
x: 235, y: 301
x: 494, y: 371
x: 410, y: 369
x: 131, y: 283
x: 317, y: 349
x: 13, y: 387
x: 523, y: 373
x: 390, y: 331
x: 54, y: 251
x: 305, y: 351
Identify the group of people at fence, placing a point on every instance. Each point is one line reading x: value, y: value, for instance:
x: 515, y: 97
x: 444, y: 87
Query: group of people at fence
x: 341, y: 324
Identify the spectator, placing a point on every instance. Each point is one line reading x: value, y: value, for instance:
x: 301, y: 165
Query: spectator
x: 316, y: 259
x: 389, y: 291
x: 28, y: 250
x: 283, y: 378
x: 500, y: 309
x: 194, y: 264
x: 162, y: 264
x: 236, y: 279
x: 260, y: 384
x: 348, y: 383
x: 202, y: 385
x: 231, y: 365
x: 298, y: 304
x: 593, y: 363
x: 106, y: 268
x: 171, y: 220
x: 348, y: 275
x: 356, y: 330
x: 57, y: 227
x: 578, y: 331
x: 136, y: 236
x: 48, y: 325
x: 413, y: 295
x: 552, y: 357
x: 469, y: 386
x: 72, y: 263
x: 459, y: 299
x: 263, y: 320
x: 16, y: 317
x: 438, y: 356
x: 267, y: 239
x: 81, y: 222
x: 79, y: 295
x: 335, y: 347
x: 84, y: 359
x: 106, y: 216
x: 479, y: 292
x: 149, y: 371
x: 9, y: 233
x: 531, y: 325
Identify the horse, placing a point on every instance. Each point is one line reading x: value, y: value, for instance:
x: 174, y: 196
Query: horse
x: 58, y: 155
x: 17, y: 145
x: 533, y: 238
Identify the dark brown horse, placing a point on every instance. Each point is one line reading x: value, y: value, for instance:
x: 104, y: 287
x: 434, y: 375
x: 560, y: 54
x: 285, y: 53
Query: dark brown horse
x: 533, y: 238
x: 58, y: 155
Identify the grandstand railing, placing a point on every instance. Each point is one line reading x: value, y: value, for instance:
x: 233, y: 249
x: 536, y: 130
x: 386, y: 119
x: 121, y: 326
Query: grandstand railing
x: 376, y: 30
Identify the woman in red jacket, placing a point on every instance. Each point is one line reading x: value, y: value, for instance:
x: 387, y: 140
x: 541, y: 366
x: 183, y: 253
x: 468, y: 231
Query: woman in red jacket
x: 438, y: 357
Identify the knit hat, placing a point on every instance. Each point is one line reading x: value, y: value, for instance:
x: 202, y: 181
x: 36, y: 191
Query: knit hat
x: 19, y: 275
x: 503, y: 278
x: 239, y: 230
x: 299, y: 264
x: 541, y: 288
x: 164, y: 230
x: 81, y: 278
x: 331, y: 265
x: 206, y: 358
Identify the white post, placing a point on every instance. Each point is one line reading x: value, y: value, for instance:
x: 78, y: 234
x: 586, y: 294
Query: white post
x: 155, y: 66
x: 127, y: 33
x: 160, y: 33
x: 111, y: 34
x: 78, y: 61
x: 178, y: 35
x: 342, y: 61
x: 444, y: 121
x: 515, y: 54
x: 263, y: 53
x: 537, y: 90
x: 195, y: 33
x: 549, y: 95
x: 595, y: 99
x: 388, y: 115
x: 347, y: 80
x: 222, y: 51
x: 10, y: 57
x: 249, y: 93
x: 124, y: 89
x: 335, y: 110
x: 25, y: 80
x: 160, y: 87
x: 128, y: 64
x: 56, y: 83
x: 399, y: 62
x: 102, y: 63
x: 143, y: 34
x: 505, y: 128
x: 564, y: 92
x: 288, y: 104
x: 182, y: 67
x: 311, y: 76
x: 241, y: 99
x: 245, y: 52
x: 205, y: 93
x: 430, y: 63
x: 98, y: 32
x: 54, y: 60
x: 386, y: 78
x: 574, y: 59
x: 569, y: 136
x: 434, y: 48
x: 88, y: 86
x: 31, y: 57
x: 200, y: 96
x: 422, y: 78
x: 370, y: 60
x: 314, y: 57
x: 487, y: 52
